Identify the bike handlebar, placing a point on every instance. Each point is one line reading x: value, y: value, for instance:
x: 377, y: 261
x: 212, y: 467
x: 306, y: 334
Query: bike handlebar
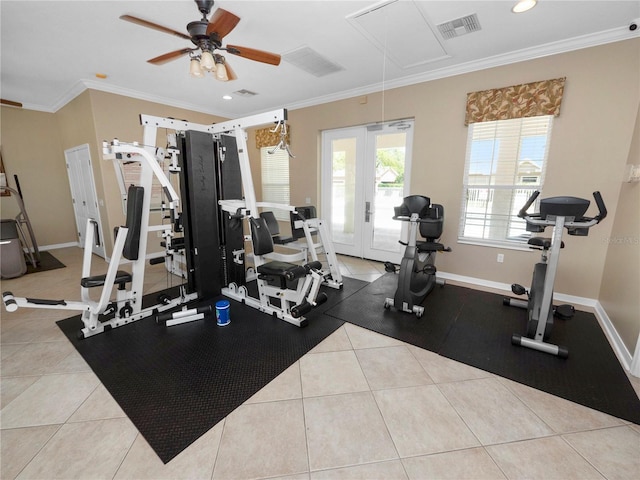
x: 523, y: 211
x: 584, y: 222
x: 602, y: 209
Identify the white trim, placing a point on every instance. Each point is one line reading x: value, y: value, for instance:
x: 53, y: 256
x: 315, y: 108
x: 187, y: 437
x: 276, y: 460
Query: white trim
x: 618, y: 346
x: 520, y: 246
x: 554, y: 48
x: 630, y: 363
x: 57, y: 246
x: 586, y: 41
x: 582, y: 301
x: 634, y: 369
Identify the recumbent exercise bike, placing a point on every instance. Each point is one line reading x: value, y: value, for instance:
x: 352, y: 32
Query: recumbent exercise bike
x: 417, y: 275
x: 559, y: 213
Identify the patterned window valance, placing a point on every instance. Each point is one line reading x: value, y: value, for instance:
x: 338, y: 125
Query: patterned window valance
x: 518, y: 101
x: 266, y: 138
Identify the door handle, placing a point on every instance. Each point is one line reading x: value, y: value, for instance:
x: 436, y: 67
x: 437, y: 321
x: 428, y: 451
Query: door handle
x: 367, y: 212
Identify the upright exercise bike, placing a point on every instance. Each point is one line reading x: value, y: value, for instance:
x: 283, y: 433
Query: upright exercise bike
x: 559, y: 213
x: 417, y: 275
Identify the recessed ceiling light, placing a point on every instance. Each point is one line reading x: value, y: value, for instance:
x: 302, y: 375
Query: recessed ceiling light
x: 227, y: 97
x: 523, y: 6
x: 101, y: 75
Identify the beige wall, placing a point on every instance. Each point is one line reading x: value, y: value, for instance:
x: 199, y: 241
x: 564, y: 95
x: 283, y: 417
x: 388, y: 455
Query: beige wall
x: 116, y: 116
x: 588, y: 151
x: 590, y: 146
x: 620, y: 291
x: 33, y: 145
x: 32, y: 150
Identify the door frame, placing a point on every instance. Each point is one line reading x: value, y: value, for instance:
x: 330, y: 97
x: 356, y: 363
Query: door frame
x: 364, y: 190
x: 81, y: 183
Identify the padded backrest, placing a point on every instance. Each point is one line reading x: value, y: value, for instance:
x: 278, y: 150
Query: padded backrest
x: 260, y: 236
x: 135, y: 200
x: 413, y: 204
x: 304, y: 213
x: 272, y: 223
x: 433, y: 230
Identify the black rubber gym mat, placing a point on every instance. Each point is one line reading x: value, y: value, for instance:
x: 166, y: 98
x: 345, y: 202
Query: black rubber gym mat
x: 475, y: 328
x: 175, y: 383
x: 592, y: 375
x: 366, y: 309
x: 47, y: 262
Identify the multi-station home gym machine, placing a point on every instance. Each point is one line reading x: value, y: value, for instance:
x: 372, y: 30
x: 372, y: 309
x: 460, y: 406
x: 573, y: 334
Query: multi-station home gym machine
x: 559, y: 213
x: 130, y: 244
x: 206, y: 232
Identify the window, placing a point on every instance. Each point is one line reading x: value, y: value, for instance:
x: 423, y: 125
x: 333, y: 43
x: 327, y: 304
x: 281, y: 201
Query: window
x: 505, y: 163
x: 275, y: 179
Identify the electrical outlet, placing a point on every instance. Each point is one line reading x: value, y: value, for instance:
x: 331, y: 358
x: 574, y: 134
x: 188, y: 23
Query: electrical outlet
x: 632, y: 173
x: 500, y: 258
x: 307, y: 200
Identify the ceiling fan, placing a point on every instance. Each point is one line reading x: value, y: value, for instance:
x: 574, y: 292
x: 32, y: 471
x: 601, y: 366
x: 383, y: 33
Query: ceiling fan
x: 207, y: 37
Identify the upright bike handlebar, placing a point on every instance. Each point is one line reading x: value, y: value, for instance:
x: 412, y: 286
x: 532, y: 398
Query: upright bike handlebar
x: 584, y: 221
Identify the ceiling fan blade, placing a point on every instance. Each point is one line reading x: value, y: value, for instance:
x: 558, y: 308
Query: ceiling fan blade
x: 221, y: 23
x: 167, y: 57
x: 253, y: 54
x: 11, y: 103
x: 154, y: 26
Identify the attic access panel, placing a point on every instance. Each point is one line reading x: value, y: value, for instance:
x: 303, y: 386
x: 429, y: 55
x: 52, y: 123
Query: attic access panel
x: 400, y: 30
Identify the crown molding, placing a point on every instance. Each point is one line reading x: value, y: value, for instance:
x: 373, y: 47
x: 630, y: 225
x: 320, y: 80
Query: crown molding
x: 553, y: 48
x: 82, y: 85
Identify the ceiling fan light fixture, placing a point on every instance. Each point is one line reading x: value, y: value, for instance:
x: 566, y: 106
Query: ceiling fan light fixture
x: 206, y: 61
x: 524, y: 5
x: 221, y: 69
x: 195, y: 70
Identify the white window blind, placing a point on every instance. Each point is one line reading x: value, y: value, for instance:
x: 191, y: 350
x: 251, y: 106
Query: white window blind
x: 275, y: 179
x: 505, y: 163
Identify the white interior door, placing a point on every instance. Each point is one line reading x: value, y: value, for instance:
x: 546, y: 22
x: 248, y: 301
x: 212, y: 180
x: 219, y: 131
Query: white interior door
x: 83, y: 193
x: 365, y: 173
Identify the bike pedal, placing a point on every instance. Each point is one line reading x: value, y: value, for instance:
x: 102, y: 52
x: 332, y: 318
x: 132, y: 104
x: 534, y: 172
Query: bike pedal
x: 564, y: 311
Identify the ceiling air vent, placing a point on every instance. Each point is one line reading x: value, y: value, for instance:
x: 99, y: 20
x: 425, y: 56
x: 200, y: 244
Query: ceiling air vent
x: 245, y: 93
x: 312, y: 62
x: 459, y: 26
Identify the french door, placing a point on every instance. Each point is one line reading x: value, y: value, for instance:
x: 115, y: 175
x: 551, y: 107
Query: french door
x: 365, y: 173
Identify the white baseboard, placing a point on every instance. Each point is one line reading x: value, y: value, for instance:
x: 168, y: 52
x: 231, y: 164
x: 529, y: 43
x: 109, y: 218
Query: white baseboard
x: 619, y: 348
x: 630, y: 363
x: 506, y: 288
x: 56, y: 246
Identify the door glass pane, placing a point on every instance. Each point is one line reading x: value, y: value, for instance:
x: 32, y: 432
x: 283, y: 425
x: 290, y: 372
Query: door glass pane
x: 390, y: 151
x: 343, y: 188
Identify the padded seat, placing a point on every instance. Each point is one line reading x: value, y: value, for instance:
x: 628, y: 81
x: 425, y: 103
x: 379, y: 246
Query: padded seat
x: 122, y: 277
x: 289, y: 271
x: 542, y: 242
x: 282, y: 271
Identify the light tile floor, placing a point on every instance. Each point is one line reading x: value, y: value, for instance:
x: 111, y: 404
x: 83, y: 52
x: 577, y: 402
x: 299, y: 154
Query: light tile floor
x: 358, y: 406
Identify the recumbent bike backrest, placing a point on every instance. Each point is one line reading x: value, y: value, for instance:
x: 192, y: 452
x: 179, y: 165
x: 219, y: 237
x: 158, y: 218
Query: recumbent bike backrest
x: 422, y: 206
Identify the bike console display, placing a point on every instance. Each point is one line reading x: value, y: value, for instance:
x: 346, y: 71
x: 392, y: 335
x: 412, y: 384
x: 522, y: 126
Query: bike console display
x: 563, y: 207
